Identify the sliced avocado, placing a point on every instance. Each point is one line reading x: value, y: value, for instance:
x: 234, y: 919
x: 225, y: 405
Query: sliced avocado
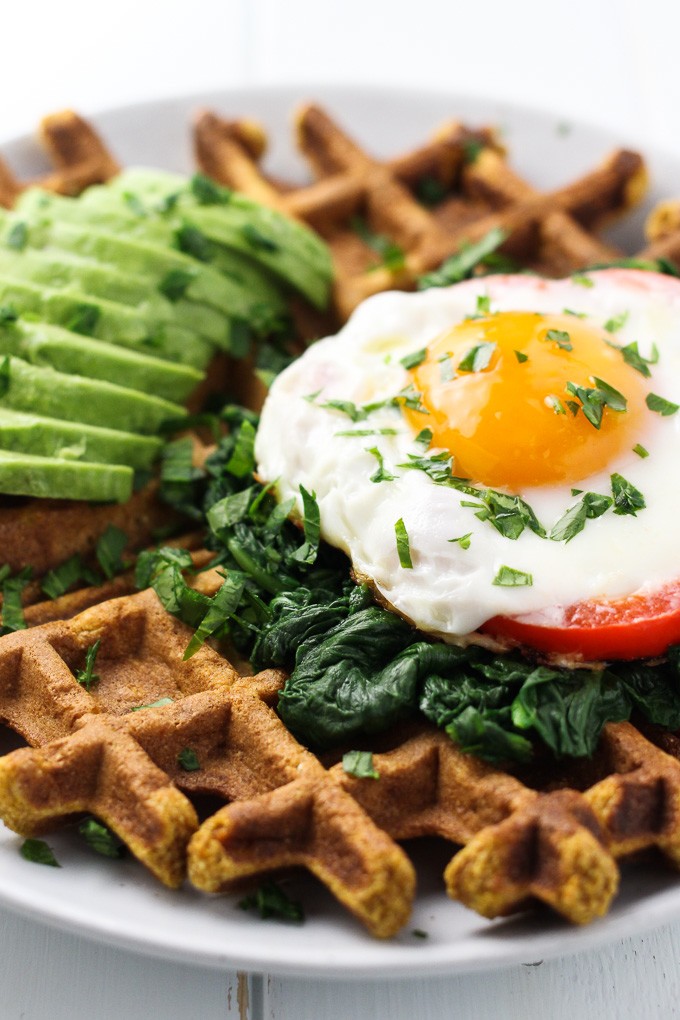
x: 286, y: 247
x: 154, y: 261
x: 43, y: 344
x: 54, y: 394
x: 110, y: 211
x: 50, y: 437
x: 68, y: 272
x: 104, y: 320
x: 25, y: 474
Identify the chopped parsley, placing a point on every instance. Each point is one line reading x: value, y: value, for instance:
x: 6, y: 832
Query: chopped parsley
x: 521, y: 357
x: 661, y: 405
x: 392, y: 256
x: 38, y: 852
x: 463, y: 540
x: 271, y: 901
x: 100, y: 838
x: 574, y: 519
x: 582, y: 280
x: 381, y: 474
x: 86, y: 677
x: 640, y: 450
x: 595, y: 399
x: 463, y: 264
x: 616, y: 322
x: 187, y: 759
x: 403, y: 545
x: 359, y: 764
x: 509, y: 577
x: 561, y: 337
x: 627, y: 499
x: 153, y: 704
x: 478, y: 357
x: 556, y: 404
x: 414, y: 359
x: 109, y: 550
x: 12, y: 606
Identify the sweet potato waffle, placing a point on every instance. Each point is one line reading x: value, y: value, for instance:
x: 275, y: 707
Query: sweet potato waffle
x: 553, y: 836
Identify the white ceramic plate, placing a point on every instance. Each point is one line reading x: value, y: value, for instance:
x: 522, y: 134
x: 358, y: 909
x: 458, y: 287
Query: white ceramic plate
x: 117, y: 901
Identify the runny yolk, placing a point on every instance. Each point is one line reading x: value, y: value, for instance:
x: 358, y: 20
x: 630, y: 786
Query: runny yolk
x: 505, y: 411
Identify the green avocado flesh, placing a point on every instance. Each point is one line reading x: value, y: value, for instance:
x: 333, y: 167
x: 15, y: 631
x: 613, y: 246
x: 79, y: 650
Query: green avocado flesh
x: 112, y: 306
x: 54, y: 347
x: 51, y: 437
x: 75, y: 398
x: 25, y: 474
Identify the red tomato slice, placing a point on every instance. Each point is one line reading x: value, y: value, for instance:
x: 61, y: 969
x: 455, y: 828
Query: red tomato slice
x: 637, y: 627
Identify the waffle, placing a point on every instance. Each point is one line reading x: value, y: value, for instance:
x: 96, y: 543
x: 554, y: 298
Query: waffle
x: 554, y: 835
x: 553, y: 233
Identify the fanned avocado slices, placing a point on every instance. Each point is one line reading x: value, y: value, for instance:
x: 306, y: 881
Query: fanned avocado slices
x: 23, y: 474
x: 68, y: 272
x: 52, y: 437
x: 112, y: 305
x: 51, y: 346
x: 105, y: 320
x: 27, y: 387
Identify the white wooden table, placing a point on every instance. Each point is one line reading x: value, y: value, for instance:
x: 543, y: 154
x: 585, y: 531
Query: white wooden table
x: 612, y: 64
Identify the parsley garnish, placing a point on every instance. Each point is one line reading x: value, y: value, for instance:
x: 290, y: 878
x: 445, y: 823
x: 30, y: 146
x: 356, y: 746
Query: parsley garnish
x: 381, y: 474
x: 271, y: 901
x: 661, y: 405
x: 12, y: 607
x: 110, y: 548
x: 582, y: 281
x: 153, y: 704
x: 207, y: 192
x: 508, y: 577
x: 188, y: 760
x: 463, y: 540
x: 627, y: 499
x: 38, y: 852
x: 391, y: 255
x: 86, y: 677
x: 521, y: 357
x: 193, y: 241
x: 561, y: 338
x: 257, y: 240
x: 403, y: 545
x: 430, y: 191
x: 311, y: 524
x: 616, y: 322
x: 594, y: 400
x: 556, y: 404
x: 640, y: 450
x: 478, y: 357
x: 100, y: 838
x: 483, y: 304
x: 632, y: 357
x: 462, y: 265
x: 17, y: 238
x: 359, y: 764
x: 574, y: 519
x: 424, y: 437
x: 175, y: 284
x: 414, y: 359
x: 446, y: 370
x: 58, y: 581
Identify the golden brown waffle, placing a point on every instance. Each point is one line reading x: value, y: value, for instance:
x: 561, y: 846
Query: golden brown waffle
x: 79, y: 156
x: 553, y: 233
x: 95, y: 751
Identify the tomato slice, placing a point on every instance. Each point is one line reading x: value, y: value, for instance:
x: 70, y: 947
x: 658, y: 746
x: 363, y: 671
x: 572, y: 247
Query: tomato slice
x: 637, y: 627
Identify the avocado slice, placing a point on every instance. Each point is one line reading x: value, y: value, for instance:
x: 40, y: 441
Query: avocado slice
x: 154, y: 261
x: 104, y: 320
x: 51, y: 346
x: 55, y: 394
x: 25, y: 474
x: 109, y: 211
x: 50, y: 437
x: 227, y: 218
x: 63, y: 272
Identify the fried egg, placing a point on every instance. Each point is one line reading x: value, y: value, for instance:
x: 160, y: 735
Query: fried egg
x: 502, y: 447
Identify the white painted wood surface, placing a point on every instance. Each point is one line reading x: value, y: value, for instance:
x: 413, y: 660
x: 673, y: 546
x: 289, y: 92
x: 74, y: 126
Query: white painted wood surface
x: 611, y: 63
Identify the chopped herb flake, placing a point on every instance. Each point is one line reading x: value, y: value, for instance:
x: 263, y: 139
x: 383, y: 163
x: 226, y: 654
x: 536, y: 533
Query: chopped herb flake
x: 86, y: 677
x: 462, y: 265
x: 508, y: 577
x: 561, y: 338
x: 100, y: 838
x: 627, y: 499
x: 109, y: 550
x: 640, y: 450
x: 153, y: 704
x: 391, y: 255
x: 463, y: 540
x: 381, y: 474
x: 271, y: 901
x: 632, y: 357
x: 414, y: 359
x: 187, y: 759
x: 403, y: 545
x: 359, y: 764
x: 478, y: 357
x: 661, y: 405
x: 616, y: 322
x: 521, y: 357
x: 38, y: 852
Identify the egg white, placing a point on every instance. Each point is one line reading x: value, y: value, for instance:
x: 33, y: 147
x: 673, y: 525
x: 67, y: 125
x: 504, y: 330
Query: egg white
x: 450, y: 591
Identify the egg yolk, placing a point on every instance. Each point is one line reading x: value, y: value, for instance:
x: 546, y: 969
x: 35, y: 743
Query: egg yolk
x: 501, y: 393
